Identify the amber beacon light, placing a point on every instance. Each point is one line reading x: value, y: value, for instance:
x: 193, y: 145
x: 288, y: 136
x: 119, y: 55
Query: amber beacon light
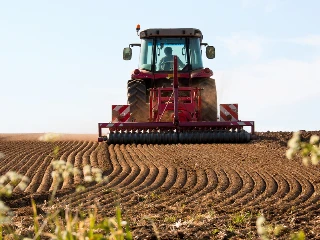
x: 138, y: 29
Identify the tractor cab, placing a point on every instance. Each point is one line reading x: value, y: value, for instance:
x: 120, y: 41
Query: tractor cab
x: 159, y: 45
x: 157, y: 54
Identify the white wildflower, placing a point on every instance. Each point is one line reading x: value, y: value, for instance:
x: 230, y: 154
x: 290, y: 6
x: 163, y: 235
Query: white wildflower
x: 177, y: 224
x: 290, y: 153
x: 3, y: 179
x: 75, y: 171
x: 260, y: 228
x: 50, y: 137
x: 97, y: 173
x: 22, y: 185
x: 296, y: 134
x: 8, y: 190
x: 86, y: 170
x: 306, y: 161
x: 58, y: 164
x: 69, y: 167
x: 80, y: 188
x: 123, y: 223
x: 98, y: 177
x: 293, y: 143
x: 13, y: 176
x: 96, y: 170
x: 55, y: 175
x: 65, y: 175
x: 25, y: 179
x: 3, y: 208
x: 314, y: 159
x: 88, y: 178
x: 314, y: 139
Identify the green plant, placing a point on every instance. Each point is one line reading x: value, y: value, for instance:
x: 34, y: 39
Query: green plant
x: 267, y: 231
x: 309, y: 151
x: 154, y: 195
x: 215, y: 231
x: 7, y: 183
x: 298, y: 236
x: 230, y: 228
x: 80, y: 224
x: 74, y: 227
x: 170, y: 219
x: 241, y: 217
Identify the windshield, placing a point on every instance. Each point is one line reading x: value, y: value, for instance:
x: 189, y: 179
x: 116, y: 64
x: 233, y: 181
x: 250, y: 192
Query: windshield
x: 165, y: 48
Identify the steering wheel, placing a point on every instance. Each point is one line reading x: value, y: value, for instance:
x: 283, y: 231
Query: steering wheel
x: 163, y: 66
x: 166, y: 65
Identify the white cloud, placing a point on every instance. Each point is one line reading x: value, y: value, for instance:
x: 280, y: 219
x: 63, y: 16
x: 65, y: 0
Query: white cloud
x: 253, y: 46
x: 240, y: 44
x: 272, y: 93
x: 310, y: 40
x: 274, y: 83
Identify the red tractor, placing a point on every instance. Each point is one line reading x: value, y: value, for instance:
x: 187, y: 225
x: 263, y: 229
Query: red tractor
x: 156, y: 65
x: 172, y: 97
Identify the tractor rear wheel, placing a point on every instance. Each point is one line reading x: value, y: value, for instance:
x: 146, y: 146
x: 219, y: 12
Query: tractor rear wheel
x: 137, y: 95
x: 208, y: 98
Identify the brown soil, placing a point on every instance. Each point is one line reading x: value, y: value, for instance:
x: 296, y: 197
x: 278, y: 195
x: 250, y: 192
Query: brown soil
x: 35, y: 137
x: 206, y: 187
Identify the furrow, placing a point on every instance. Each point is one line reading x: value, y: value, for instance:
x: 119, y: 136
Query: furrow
x: 73, y: 158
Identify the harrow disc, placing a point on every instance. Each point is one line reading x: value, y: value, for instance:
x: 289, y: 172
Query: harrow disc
x: 182, y: 137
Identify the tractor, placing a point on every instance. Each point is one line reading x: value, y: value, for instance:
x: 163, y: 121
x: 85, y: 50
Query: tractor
x: 158, y: 45
x: 171, y: 97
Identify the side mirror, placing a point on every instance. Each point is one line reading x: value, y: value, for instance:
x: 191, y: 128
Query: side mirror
x: 210, y: 52
x: 127, y: 53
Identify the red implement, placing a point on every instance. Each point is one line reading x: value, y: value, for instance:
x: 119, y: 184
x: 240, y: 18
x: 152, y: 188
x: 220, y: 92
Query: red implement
x: 183, y: 125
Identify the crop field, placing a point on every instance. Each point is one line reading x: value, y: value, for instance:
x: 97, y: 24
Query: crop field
x: 191, y: 191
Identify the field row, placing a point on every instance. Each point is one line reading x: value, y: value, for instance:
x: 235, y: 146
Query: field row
x: 178, y: 179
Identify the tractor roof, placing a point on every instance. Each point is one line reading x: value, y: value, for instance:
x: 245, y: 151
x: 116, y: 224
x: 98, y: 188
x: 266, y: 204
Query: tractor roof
x: 171, y: 32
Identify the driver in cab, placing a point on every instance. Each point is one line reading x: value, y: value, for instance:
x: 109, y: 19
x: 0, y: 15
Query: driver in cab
x: 166, y: 63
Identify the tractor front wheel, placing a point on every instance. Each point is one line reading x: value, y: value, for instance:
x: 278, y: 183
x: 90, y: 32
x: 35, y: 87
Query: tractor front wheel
x: 208, y: 98
x: 137, y: 94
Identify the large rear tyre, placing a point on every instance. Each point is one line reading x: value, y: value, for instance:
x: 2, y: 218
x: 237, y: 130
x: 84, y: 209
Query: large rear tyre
x: 208, y: 98
x: 137, y: 95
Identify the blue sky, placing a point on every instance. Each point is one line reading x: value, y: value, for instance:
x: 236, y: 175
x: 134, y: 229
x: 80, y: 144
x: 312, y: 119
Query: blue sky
x: 61, y: 64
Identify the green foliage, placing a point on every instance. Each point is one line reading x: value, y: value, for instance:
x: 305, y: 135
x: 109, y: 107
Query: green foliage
x: 170, y: 219
x: 230, y: 228
x: 240, y: 218
x: 267, y: 231
x: 7, y: 184
x: 35, y: 218
x: 215, y: 231
x: 309, y: 151
x: 298, y: 236
x: 73, y: 225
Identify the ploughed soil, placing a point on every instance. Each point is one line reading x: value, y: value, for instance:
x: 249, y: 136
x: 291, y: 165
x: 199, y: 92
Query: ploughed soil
x: 196, y: 191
